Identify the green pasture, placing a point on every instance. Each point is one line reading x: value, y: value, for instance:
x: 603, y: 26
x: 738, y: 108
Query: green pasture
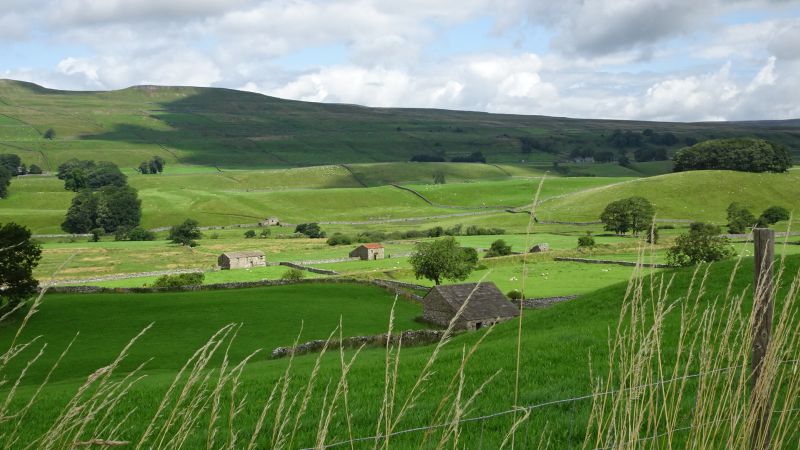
x: 563, y: 345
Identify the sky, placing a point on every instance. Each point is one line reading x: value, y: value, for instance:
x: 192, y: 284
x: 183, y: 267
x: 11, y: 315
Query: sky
x: 669, y: 60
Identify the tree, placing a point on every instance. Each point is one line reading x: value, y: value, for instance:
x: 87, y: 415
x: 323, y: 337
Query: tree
x: 140, y: 234
x: 624, y: 161
x: 311, y: 230
x: 186, y: 233
x: 118, y: 207
x: 97, y: 233
x: 159, y: 163
x: 442, y: 259
x: 5, y: 181
x: 19, y: 255
x: 742, y: 154
x: 438, y: 177
x: 498, y: 248
x: 630, y: 214
x: 249, y: 234
x: 34, y: 169
x: 740, y: 219
x: 49, y: 134
x: 12, y: 162
x: 82, y: 213
x: 105, y: 174
x: 339, y: 239
x: 144, y: 168
x: 773, y: 215
x: 701, y: 244
x: 73, y: 163
x: 264, y: 233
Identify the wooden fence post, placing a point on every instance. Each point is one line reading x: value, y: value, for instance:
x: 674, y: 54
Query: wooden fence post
x: 764, y: 242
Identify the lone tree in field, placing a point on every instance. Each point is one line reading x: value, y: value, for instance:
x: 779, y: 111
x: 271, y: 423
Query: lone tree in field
x: 186, y: 233
x: 49, y: 134
x: 443, y: 259
x: 702, y: 244
x: 629, y: 214
x: 19, y: 255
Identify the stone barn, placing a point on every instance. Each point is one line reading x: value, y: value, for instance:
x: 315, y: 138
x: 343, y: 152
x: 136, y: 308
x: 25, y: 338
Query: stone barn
x: 487, y: 306
x: 241, y: 260
x: 368, y: 252
x: 540, y: 248
x: 269, y: 222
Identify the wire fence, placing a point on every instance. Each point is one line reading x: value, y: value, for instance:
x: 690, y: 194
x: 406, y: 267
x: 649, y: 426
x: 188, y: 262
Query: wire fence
x: 570, y: 400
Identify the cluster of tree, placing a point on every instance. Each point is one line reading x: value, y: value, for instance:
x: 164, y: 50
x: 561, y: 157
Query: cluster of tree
x: 498, y: 248
x: 19, y: 255
x: 604, y: 157
x: 528, y: 144
x: 186, y: 233
x: 155, y: 165
x: 628, y: 138
x: 581, y: 153
x: 474, y: 157
x: 178, y: 280
x: 633, y: 214
x: 443, y: 259
x: 249, y: 234
x: 84, y: 174
x: 741, y: 220
x: 742, y: 154
x: 11, y: 166
x: 311, y: 230
x: 702, y: 243
x: 104, y: 202
x: 427, y: 158
x: 645, y: 154
x: 110, y: 208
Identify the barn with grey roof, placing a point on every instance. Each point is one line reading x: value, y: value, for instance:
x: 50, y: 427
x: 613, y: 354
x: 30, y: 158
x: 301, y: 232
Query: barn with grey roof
x: 486, y: 306
x: 241, y: 260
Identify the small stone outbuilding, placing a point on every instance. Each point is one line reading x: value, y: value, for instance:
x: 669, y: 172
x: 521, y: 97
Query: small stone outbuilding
x: 241, y: 260
x: 540, y: 248
x: 269, y: 222
x: 368, y: 252
x: 487, y: 305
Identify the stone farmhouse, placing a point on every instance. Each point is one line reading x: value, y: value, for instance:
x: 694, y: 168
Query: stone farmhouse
x: 269, y: 222
x: 368, y: 252
x: 241, y: 260
x: 540, y: 248
x: 487, y: 306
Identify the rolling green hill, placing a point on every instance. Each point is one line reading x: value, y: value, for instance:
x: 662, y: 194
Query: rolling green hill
x: 696, y: 195
x: 228, y: 128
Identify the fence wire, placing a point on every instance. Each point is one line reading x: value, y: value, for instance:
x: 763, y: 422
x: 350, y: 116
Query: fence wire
x: 553, y: 403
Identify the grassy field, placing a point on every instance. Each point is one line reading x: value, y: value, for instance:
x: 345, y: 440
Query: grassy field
x: 556, y: 359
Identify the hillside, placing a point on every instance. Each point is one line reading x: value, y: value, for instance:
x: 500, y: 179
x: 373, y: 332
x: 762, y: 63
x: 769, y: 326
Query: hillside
x: 228, y: 128
x: 696, y: 195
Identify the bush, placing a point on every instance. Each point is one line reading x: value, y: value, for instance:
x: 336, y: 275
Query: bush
x: 97, y: 233
x: 666, y: 227
x: 140, y: 234
x: 514, y: 294
x: 427, y: 158
x: 773, y: 215
x: 264, y: 233
x: 702, y: 244
x: 311, y: 230
x: 34, y: 169
x: 586, y: 241
x: 474, y: 230
x: 293, y: 275
x: 371, y: 236
x: 740, y: 219
x: 498, y: 248
x: 186, y: 233
x: 742, y: 154
x: 339, y: 239
x: 182, y: 279
x: 475, y: 157
x: 249, y: 234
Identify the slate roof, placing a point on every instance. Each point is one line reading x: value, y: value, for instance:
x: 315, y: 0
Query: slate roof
x: 486, y: 301
x: 245, y: 254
